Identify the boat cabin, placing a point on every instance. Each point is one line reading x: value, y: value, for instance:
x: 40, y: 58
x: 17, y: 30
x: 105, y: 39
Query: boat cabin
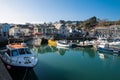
x: 17, y: 49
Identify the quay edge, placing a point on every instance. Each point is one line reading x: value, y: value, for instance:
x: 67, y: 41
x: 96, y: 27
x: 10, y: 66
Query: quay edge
x: 4, y: 75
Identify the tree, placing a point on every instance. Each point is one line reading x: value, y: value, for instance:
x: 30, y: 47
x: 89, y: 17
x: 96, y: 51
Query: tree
x: 90, y: 23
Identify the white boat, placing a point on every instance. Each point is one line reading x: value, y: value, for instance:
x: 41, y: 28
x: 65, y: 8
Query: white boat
x: 105, y: 47
x: 85, y: 44
x: 63, y: 44
x: 101, y: 40
x: 18, y: 55
x: 116, y: 41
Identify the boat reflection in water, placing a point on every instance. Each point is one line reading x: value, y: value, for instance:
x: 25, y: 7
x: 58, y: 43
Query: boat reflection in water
x: 46, y: 49
x: 106, y: 55
x: 62, y: 50
x: 86, y: 51
x: 75, y: 63
x: 102, y: 55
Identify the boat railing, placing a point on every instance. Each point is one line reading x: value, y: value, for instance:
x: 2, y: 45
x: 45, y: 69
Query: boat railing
x: 6, y: 57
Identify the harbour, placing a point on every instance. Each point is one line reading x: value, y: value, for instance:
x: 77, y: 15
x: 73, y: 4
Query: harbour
x: 69, y: 64
x: 62, y: 50
x: 61, y: 61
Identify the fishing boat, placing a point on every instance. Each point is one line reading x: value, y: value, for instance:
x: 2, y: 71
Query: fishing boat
x: 105, y: 47
x: 85, y: 44
x: 52, y: 42
x: 18, y: 55
x: 63, y: 43
x: 115, y: 41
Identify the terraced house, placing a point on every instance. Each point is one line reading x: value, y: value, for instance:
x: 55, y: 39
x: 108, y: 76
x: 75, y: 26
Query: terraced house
x: 113, y: 31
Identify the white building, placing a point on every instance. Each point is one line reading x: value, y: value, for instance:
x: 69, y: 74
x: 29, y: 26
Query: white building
x: 45, y: 29
x: 14, y: 31
x: 19, y: 31
x: 64, y: 30
x: 115, y: 30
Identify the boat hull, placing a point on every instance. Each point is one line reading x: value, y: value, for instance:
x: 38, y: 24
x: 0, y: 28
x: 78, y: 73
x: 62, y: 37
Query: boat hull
x: 13, y: 67
x: 52, y: 43
x: 107, y: 50
x: 87, y: 46
x: 18, y: 62
x: 62, y: 45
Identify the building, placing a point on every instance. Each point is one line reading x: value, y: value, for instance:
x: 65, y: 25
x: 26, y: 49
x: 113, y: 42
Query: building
x: 0, y: 30
x: 68, y: 29
x: 4, y: 30
x: 101, y: 31
x: 113, y: 31
x: 20, y: 30
x: 45, y: 29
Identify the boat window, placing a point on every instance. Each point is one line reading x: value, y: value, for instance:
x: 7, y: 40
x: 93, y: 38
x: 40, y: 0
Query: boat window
x: 14, y: 53
x: 21, y: 51
x: 106, y: 45
x: 27, y: 51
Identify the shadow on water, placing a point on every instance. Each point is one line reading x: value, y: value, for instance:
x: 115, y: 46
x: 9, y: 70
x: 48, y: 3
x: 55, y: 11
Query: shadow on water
x: 48, y: 72
x: 23, y: 74
x: 90, y: 52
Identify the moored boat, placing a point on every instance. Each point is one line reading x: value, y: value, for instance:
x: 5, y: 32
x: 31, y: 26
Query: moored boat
x: 85, y: 44
x: 52, y: 42
x: 18, y: 55
x: 63, y: 43
x: 108, y: 48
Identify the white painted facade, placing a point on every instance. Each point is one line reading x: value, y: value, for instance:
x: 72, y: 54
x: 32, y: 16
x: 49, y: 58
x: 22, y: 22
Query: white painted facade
x: 18, y: 31
x: 14, y: 31
x: 64, y: 30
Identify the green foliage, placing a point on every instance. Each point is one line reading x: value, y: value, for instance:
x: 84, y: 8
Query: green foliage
x: 91, y: 23
x: 88, y: 24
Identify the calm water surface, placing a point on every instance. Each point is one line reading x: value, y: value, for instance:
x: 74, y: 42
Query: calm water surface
x: 72, y: 64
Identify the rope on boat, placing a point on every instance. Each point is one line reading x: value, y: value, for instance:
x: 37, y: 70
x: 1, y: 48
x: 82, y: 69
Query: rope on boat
x: 25, y: 74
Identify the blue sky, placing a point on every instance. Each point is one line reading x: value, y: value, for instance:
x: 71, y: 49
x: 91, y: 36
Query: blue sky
x: 37, y: 11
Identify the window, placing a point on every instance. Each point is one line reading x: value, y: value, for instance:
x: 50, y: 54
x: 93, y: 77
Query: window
x: 21, y: 51
x: 27, y: 51
x: 14, y: 53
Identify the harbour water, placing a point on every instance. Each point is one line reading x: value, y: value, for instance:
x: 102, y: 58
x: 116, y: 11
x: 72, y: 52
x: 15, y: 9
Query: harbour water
x: 71, y: 64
